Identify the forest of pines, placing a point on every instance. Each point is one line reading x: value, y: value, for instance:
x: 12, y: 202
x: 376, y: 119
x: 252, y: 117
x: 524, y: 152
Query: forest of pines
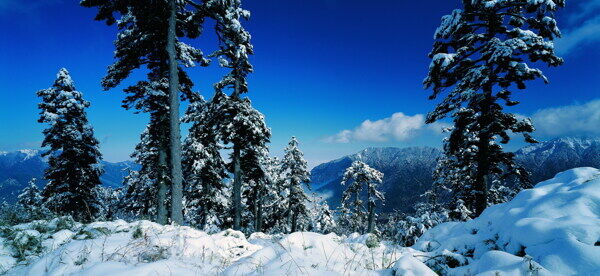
x: 222, y: 174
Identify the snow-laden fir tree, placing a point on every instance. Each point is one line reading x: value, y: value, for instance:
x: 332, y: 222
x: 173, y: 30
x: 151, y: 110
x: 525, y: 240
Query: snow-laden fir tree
x: 148, y: 37
x: 359, y: 177
x: 140, y: 197
x: 206, y: 193
x: 321, y: 216
x: 244, y: 129
x: 74, y: 169
x: 234, y: 50
x: 481, y: 54
x: 257, y: 186
x: 295, y: 176
x: 30, y: 196
x: 30, y: 199
x: 454, y: 179
x: 109, y: 199
x: 275, y: 201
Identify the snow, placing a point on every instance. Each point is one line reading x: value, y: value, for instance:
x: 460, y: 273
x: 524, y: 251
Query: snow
x: 555, y: 223
x: 551, y: 229
x: 29, y: 153
x: 408, y: 265
x: 144, y: 248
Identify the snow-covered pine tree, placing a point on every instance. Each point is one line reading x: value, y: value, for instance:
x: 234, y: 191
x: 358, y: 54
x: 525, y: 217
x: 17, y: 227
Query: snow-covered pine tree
x: 406, y: 229
x: 146, y: 38
x: 30, y: 199
x: 295, y: 175
x: 74, y: 169
x: 481, y: 53
x: 233, y: 52
x: 140, y: 197
x: 454, y: 176
x: 321, y: 216
x: 361, y: 176
x: 275, y: 201
x: 240, y: 125
x: 108, y: 202
x: 256, y: 187
x: 206, y: 194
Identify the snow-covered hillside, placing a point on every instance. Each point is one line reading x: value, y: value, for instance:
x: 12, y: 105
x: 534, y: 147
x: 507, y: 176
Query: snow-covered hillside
x: 553, y: 229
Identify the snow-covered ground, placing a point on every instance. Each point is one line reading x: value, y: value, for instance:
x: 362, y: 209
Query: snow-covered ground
x: 553, y: 229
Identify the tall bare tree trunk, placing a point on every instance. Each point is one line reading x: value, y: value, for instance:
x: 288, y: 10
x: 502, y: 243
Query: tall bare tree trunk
x: 483, y: 163
x: 294, y: 221
x: 237, y: 173
x: 161, y: 208
x: 237, y: 188
x: 259, y: 214
x: 174, y: 130
x: 371, y: 222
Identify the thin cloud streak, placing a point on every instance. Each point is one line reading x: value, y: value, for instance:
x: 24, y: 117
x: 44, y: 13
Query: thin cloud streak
x: 584, y: 29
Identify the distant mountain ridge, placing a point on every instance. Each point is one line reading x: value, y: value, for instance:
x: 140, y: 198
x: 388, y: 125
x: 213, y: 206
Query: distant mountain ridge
x: 544, y: 160
x: 408, y: 171
x: 18, y: 167
x: 407, y: 174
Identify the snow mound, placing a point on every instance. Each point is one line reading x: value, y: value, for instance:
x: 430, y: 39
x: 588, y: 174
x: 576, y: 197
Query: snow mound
x: 63, y: 247
x: 553, y: 229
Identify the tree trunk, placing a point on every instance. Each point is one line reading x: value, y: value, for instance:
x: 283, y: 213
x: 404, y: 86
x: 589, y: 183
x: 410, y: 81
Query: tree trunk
x: 237, y: 188
x: 483, y: 163
x: 371, y: 225
x: 259, y: 214
x: 174, y: 129
x: 359, y: 219
x: 161, y: 209
x: 294, y: 222
x: 204, y: 211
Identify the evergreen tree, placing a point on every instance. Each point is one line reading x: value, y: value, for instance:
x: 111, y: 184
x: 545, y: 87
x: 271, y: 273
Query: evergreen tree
x: 109, y: 200
x: 140, y: 198
x: 321, y: 219
x: 30, y: 199
x: 275, y: 201
x: 30, y: 196
x: 74, y: 169
x: 360, y: 176
x: 256, y: 187
x: 481, y: 54
x: 233, y: 52
x: 240, y: 125
x: 148, y: 36
x: 206, y: 194
x: 296, y: 175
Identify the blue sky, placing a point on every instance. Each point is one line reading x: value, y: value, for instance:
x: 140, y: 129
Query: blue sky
x: 322, y: 69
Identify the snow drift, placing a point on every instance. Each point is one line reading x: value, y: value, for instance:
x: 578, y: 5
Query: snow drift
x: 552, y: 229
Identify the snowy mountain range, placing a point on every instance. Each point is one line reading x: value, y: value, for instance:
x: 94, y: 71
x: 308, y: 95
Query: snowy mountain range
x: 408, y: 171
x: 18, y: 167
x: 407, y: 174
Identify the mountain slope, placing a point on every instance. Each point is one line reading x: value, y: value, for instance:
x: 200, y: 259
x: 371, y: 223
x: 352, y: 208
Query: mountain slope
x: 546, y: 159
x: 408, y: 170
x: 18, y: 167
x: 407, y: 174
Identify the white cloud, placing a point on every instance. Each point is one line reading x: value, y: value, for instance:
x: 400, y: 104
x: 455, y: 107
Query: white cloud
x: 578, y: 119
x: 585, y: 28
x: 398, y: 127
